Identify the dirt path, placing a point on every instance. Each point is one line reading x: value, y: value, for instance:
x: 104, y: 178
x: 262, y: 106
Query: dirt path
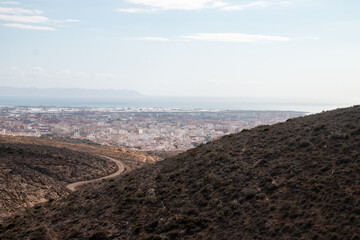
x: 119, y: 164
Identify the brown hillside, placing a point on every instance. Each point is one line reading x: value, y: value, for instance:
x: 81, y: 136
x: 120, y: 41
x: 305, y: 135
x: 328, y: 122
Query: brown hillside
x: 33, y: 170
x: 293, y: 180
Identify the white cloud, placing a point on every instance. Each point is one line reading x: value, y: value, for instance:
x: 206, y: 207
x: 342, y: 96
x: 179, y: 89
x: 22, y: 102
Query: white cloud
x: 23, y: 19
x: 10, y: 2
x: 235, y: 37
x: 19, y: 11
x: 135, y: 10
x: 217, y: 4
x: 175, y: 4
x: 21, y: 15
x: 250, y: 5
x: 30, y: 27
x: 158, y: 5
x: 254, y: 5
x: 225, y: 37
x: 72, y: 20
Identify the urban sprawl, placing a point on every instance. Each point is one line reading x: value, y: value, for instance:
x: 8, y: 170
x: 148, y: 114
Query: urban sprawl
x: 134, y: 128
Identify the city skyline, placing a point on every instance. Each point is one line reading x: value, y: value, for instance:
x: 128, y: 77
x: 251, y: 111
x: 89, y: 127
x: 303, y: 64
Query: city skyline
x: 285, y: 49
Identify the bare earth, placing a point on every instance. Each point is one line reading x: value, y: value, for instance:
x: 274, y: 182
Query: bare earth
x: 119, y: 164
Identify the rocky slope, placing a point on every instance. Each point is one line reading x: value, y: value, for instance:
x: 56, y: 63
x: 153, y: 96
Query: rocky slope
x: 34, y: 170
x: 293, y: 180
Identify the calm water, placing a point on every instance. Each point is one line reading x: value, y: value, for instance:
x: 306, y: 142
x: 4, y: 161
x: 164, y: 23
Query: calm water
x: 173, y: 102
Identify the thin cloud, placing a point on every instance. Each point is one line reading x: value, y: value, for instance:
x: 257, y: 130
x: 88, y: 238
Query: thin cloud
x: 235, y: 37
x: 29, y: 27
x: 250, y: 5
x: 261, y: 4
x: 23, y: 19
x: 175, y: 4
x: 72, y: 20
x: 224, y: 37
x: 135, y: 10
x: 162, y: 5
x: 16, y: 15
x: 19, y: 11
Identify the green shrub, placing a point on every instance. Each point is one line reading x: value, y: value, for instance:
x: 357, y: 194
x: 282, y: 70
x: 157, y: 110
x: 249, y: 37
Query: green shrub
x: 37, y: 207
x: 319, y: 127
x: 154, y: 237
x: 338, y: 135
x: 100, y: 235
x: 136, y: 229
x: 192, y: 152
x: 249, y: 193
x: 304, y: 143
x: 266, y: 129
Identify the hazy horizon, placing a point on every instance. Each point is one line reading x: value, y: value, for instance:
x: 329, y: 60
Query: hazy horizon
x: 297, y: 49
x: 51, y: 92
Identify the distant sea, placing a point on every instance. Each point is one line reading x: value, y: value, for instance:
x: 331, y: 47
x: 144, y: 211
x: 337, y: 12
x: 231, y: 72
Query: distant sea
x: 173, y: 102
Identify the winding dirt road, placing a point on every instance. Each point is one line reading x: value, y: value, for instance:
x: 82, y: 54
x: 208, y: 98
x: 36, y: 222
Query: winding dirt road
x: 119, y: 164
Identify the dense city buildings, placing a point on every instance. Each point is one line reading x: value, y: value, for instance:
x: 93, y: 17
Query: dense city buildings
x: 134, y: 128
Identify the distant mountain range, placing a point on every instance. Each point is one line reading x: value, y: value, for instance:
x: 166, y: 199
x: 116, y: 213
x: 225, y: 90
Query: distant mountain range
x: 67, y: 92
x: 79, y: 97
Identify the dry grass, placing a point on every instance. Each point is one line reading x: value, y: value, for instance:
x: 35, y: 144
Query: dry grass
x: 293, y: 180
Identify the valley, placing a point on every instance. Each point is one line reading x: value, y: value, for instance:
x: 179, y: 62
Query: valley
x: 36, y: 170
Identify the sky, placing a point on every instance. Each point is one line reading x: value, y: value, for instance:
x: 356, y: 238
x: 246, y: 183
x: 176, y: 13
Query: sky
x: 289, y: 49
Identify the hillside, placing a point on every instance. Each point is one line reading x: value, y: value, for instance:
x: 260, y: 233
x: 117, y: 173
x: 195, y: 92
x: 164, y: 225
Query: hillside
x: 293, y: 180
x: 34, y: 170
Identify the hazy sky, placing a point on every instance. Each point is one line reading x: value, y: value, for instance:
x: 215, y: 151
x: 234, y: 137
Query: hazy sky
x: 244, y: 48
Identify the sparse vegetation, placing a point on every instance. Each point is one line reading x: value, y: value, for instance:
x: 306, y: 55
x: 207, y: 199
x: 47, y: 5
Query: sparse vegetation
x: 293, y: 181
x: 68, y: 139
x: 34, y: 170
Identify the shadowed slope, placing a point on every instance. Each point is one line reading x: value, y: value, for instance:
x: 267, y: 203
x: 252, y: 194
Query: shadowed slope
x: 31, y: 173
x: 34, y: 170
